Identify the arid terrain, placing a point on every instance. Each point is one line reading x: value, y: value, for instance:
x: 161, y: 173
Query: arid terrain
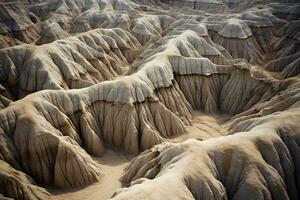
x: 149, y: 99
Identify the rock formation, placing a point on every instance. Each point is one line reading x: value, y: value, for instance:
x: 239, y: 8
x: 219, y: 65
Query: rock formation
x: 17, y: 22
x: 50, y: 33
x: 17, y: 185
x: 81, y: 78
x: 288, y: 49
x: 75, y: 62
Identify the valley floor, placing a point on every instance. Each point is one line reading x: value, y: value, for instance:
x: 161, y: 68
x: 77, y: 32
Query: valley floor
x: 113, y: 163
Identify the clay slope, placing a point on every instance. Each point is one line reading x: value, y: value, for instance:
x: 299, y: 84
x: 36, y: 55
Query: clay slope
x: 245, y: 35
x: 259, y: 159
x: 261, y: 163
x: 117, y: 75
x: 50, y: 33
x: 17, y: 185
x: 59, y: 124
x: 286, y: 11
x: 8, y: 42
x: 17, y: 22
x: 288, y: 51
x: 142, y: 26
x: 90, y: 117
x: 75, y: 62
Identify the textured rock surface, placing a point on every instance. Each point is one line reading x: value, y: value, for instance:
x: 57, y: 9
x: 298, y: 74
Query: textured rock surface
x: 245, y: 35
x: 75, y: 62
x: 288, y: 51
x: 259, y: 156
x: 98, y: 76
x: 17, y: 22
x: 17, y: 185
x: 51, y: 32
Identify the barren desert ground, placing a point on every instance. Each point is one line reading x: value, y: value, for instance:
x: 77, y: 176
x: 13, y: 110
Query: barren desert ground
x: 149, y: 99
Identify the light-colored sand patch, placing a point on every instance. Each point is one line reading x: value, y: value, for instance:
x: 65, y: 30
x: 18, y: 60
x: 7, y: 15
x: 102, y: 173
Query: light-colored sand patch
x: 112, y: 166
x: 204, y: 126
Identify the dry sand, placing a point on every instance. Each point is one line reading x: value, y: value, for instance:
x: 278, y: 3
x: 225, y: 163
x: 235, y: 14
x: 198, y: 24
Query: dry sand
x: 112, y: 165
x: 204, y: 126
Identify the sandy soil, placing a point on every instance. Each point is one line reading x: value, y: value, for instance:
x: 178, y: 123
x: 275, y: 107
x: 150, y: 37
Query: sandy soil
x: 112, y: 166
x: 203, y: 126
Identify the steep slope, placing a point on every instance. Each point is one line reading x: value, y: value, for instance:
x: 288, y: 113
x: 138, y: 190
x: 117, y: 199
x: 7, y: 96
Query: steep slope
x: 18, y: 185
x: 8, y: 42
x: 75, y: 62
x: 288, y: 51
x: 16, y: 22
x: 63, y: 120
x: 245, y: 35
x: 259, y: 160
x: 125, y: 78
x: 50, y: 33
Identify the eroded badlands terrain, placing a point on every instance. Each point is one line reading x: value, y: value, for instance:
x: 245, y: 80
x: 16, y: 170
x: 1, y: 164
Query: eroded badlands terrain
x: 149, y: 99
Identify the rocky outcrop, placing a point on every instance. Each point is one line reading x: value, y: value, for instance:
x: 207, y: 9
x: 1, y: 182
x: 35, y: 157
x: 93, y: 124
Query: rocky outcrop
x: 259, y: 159
x: 208, y: 5
x: 5, y: 97
x: 75, y: 62
x: 51, y: 32
x: 51, y: 129
x: 287, y: 50
x: 8, y: 42
x: 17, y: 185
x: 17, y: 22
x: 245, y: 35
x: 288, y: 12
x: 129, y: 75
